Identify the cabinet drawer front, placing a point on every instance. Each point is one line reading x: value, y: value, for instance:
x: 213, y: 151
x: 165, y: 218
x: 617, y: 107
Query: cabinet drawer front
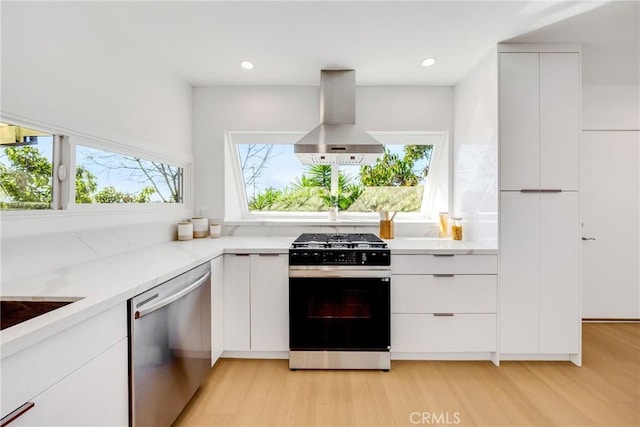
x: 32, y: 370
x: 438, y: 264
x: 429, y: 333
x: 443, y: 294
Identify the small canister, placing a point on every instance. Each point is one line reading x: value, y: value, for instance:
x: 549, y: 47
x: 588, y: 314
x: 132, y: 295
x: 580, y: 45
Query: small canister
x: 185, y: 231
x: 456, y: 228
x: 200, y: 227
x: 215, y: 230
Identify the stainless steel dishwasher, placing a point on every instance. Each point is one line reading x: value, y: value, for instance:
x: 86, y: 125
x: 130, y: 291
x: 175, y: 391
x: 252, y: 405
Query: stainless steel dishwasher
x: 169, y: 347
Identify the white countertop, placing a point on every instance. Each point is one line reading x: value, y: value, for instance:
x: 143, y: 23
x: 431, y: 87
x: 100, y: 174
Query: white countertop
x: 110, y: 281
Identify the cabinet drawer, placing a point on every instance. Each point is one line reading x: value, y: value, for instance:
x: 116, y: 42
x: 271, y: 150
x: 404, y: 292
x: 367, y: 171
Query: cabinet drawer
x: 34, y: 369
x: 429, y: 333
x: 439, y: 264
x: 443, y: 294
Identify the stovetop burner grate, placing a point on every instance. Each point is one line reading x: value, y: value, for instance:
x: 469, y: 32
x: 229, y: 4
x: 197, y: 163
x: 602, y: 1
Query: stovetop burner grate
x: 338, y: 240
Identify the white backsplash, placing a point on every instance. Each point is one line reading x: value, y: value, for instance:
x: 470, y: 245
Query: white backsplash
x: 30, y: 255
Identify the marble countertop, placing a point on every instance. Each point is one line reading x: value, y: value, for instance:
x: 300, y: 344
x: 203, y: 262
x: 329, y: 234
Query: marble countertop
x: 111, y: 281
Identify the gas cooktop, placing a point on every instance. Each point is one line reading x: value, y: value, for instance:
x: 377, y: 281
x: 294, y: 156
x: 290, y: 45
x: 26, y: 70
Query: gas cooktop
x: 338, y: 241
x: 351, y: 249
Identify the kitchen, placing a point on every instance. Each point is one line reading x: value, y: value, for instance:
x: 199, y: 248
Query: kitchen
x: 108, y: 256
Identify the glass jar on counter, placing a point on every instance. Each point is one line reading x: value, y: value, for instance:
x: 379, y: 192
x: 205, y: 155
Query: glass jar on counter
x: 456, y: 228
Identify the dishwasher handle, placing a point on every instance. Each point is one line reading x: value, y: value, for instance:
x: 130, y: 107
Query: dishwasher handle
x: 171, y: 298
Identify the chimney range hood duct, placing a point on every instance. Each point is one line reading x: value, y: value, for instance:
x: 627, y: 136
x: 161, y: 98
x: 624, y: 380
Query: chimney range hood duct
x: 336, y: 140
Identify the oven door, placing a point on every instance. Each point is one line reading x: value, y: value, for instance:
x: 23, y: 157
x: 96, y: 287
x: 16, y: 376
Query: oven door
x: 337, y: 313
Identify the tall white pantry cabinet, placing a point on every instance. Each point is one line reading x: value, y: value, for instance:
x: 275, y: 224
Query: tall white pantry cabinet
x: 539, y: 273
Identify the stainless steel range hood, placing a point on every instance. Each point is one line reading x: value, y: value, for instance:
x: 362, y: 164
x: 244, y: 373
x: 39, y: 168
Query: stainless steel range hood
x: 337, y: 140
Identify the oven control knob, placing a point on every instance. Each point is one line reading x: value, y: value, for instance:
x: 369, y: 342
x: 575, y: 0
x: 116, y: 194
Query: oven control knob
x: 316, y: 257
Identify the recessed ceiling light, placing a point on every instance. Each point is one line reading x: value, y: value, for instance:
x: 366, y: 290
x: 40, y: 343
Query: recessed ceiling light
x: 428, y: 62
x: 247, y: 65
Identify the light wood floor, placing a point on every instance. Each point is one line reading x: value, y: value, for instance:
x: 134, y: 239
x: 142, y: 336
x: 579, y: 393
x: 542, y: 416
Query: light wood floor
x: 605, y: 391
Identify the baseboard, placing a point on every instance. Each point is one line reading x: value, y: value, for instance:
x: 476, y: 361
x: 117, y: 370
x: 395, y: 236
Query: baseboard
x: 610, y: 320
x: 256, y: 354
x: 441, y: 356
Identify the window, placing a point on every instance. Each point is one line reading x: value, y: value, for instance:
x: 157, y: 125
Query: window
x: 26, y: 168
x: 30, y: 159
x: 274, y: 182
x: 108, y: 177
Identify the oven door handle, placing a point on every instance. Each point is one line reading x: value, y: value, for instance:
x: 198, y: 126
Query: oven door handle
x: 335, y: 273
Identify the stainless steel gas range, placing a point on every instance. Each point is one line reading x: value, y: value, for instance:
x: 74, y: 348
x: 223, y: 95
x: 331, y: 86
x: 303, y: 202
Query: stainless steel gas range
x: 339, y: 302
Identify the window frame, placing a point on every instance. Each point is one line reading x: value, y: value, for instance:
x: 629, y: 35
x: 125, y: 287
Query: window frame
x: 63, y: 154
x: 238, y: 209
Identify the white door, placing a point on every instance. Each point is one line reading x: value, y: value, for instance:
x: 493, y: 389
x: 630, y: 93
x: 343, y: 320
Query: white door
x: 610, y: 193
x: 560, y: 272
x: 519, y: 272
x: 559, y: 120
x: 237, y: 279
x: 519, y: 121
x: 269, y: 302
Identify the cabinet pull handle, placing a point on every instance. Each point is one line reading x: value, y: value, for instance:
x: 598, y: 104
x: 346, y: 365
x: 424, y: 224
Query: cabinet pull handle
x: 241, y: 254
x: 551, y: 190
x: 269, y: 254
x: 443, y: 254
x: 443, y: 314
x: 443, y: 275
x: 588, y: 238
x: 531, y: 190
x: 16, y: 414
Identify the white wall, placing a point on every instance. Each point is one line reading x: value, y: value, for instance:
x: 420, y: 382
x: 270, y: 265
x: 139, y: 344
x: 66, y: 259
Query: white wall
x: 475, y: 163
x: 66, y: 77
x: 297, y: 108
x: 62, y: 77
x: 610, y: 107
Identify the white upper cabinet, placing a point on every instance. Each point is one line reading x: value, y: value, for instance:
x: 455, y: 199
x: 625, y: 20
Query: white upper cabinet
x: 539, y: 120
x: 519, y: 121
x: 559, y: 120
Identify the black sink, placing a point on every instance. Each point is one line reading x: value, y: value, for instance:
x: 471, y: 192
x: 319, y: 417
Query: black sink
x: 17, y: 311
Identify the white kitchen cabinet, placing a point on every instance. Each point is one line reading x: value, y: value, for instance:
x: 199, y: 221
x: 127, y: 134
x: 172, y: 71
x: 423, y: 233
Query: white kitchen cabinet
x: 217, y: 308
x: 442, y: 305
x: 443, y: 333
x: 539, y: 277
x: 256, y: 302
x: 539, y: 120
x: 70, y: 361
x: 269, y: 302
x: 519, y: 105
x: 237, y: 285
x: 540, y: 273
x: 94, y: 395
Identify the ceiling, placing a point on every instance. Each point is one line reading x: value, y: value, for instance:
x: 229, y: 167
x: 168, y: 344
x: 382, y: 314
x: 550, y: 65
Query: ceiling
x: 289, y: 42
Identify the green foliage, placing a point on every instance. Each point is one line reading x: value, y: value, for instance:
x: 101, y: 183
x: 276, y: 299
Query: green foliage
x: 111, y: 195
x: 27, y: 179
x: 25, y: 183
x: 391, y: 170
x: 312, y: 190
x: 86, y: 185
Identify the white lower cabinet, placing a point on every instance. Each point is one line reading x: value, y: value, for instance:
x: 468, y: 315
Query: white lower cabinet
x: 444, y: 304
x: 76, y: 377
x: 217, y: 308
x: 94, y: 395
x: 269, y: 302
x: 443, y: 332
x: 256, y: 302
x: 540, y: 273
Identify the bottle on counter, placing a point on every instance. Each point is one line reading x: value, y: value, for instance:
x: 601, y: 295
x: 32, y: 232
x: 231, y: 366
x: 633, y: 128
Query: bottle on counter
x: 456, y: 228
x: 444, y: 225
